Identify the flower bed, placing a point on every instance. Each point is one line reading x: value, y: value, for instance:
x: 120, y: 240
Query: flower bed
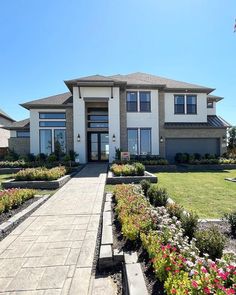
x: 12, y: 198
x: 128, y: 169
x: 34, y: 164
x: 31, y: 174
x: 175, y: 258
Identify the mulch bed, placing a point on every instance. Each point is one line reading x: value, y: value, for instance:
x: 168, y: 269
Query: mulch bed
x: 153, y: 285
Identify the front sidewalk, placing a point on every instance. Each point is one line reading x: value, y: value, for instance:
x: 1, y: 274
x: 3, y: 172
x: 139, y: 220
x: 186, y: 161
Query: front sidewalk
x: 52, y: 251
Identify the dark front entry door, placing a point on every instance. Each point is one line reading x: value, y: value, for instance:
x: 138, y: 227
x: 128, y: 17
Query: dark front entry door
x: 98, y: 146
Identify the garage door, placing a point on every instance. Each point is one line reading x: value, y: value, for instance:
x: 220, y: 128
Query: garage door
x: 191, y: 145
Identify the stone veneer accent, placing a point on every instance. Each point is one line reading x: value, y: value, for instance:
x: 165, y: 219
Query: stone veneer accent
x: 69, y: 129
x: 20, y: 145
x: 185, y: 132
x: 123, y: 121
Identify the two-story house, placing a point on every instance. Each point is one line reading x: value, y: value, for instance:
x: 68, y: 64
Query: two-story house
x: 140, y: 113
x: 5, y: 120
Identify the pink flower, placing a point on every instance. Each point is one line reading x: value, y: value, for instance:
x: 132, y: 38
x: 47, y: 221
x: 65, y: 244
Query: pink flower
x: 203, y: 269
x: 194, y: 284
x: 230, y: 291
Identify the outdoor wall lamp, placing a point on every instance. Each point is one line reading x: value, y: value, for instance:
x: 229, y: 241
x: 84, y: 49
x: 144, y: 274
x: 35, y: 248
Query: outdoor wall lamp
x: 113, y: 138
x: 78, y: 137
x: 161, y: 139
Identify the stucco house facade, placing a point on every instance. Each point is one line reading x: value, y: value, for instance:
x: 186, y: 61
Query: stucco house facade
x: 5, y: 120
x: 140, y: 113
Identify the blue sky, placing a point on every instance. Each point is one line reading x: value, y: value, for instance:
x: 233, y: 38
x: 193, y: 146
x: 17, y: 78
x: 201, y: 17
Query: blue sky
x: 43, y: 42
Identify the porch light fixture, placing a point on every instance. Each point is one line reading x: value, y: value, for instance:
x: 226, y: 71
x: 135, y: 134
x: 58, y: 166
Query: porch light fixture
x: 113, y: 138
x: 161, y: 139
x: 78, y: 137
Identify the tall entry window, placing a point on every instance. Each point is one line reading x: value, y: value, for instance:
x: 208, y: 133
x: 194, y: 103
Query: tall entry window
x: 45, y: 138
x: 98, y: 146
x: 60, y: 139
x: 133, y: 141
x: 145, y: 141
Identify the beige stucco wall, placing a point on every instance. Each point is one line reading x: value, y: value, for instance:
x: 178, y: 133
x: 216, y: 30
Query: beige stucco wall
x: 4, y: 134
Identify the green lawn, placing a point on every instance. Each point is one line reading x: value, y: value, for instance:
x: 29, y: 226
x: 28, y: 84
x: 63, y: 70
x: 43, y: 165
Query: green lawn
x: 4, y: 177
x: 207, y: 193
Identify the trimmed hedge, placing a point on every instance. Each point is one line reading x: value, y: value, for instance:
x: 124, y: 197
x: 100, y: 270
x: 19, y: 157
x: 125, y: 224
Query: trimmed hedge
x: 13, y: 198
x: 128, y: 169
x: 31, y: 174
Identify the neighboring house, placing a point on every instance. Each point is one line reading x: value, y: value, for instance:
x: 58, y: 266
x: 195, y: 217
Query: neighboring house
x: 5, y: 120
x: 139, y: 113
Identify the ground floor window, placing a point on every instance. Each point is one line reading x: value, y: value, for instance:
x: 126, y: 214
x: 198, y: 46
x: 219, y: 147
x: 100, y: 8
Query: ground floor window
x: 139, y: 141
x: 45, y: 141
x: 51, y: 140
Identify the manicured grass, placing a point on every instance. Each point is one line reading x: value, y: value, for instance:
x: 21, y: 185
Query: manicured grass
x: 207, y: 193
x: 4, y: 177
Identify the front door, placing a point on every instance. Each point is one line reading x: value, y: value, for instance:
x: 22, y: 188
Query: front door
x: 98, y: 146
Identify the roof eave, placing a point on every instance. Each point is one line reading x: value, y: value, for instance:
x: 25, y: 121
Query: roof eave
x: 196, y: 90
x: 49, y: 106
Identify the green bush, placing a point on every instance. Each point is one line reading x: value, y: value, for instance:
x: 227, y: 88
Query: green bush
x: 145, y: 184
x: 157, y: 196
x: 189, y: 223
x: 52, y: 158
x: 231, y: 219
x: 210, y: 241
x: 40, y: 174
x: 139, y: 168
x: 175, y: 210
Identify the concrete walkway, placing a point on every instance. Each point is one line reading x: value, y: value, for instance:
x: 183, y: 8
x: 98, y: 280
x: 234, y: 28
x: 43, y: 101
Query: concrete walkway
x: 52, y: 251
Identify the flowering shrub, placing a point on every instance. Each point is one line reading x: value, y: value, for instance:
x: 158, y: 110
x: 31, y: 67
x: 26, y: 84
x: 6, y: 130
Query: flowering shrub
x: 175, y: 259
x: 157, y: 196
x: 128, y: 169
x: 40, y: 173
x: 13, y: 198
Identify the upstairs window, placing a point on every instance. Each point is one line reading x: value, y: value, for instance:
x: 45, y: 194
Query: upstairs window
x: 145, y: 101
x: 52, y: 115
x: 191, y: 104
x: 52, y: 123
x: 132, y: 102
x: 179, y: 104
x: 210, y: 105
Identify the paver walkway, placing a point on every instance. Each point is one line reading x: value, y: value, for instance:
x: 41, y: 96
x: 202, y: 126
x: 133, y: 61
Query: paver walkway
x: 52, y: 251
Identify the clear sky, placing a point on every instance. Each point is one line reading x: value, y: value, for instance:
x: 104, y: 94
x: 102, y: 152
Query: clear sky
x: 43, y: 42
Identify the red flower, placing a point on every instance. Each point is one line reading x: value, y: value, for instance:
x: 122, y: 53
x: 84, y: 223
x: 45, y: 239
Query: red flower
x: 173, y: 291
x: 230, y: 291
x: 168, y: 268
x: 206, y: 290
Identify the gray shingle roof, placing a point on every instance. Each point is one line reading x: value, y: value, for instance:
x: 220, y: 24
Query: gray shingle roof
x: 23, y: 124
x: 212, y: 122
x: 5, y: 115
x: 59, y: 99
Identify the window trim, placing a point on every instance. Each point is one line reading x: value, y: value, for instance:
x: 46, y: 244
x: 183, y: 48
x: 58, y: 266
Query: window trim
x: 139, y: 99
x: 175, y: 96
x: 187, y: 95
x: 212, y: 104
x: 41, y: 113
x: 185, y: 104
x: 40, y: 140
x: 145, y: 128
x: 137, y: 102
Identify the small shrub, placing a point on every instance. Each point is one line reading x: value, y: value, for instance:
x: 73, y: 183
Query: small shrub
x: 41, y: 157
x: 11, y: 156
x: 139, y: 168
x: 175, y: 210
x: 52, y: 158
x: 157, y: 196
x: 231, y: 219
x: 145, y: 184
x: 189, y: 223
x: 210, y: 241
